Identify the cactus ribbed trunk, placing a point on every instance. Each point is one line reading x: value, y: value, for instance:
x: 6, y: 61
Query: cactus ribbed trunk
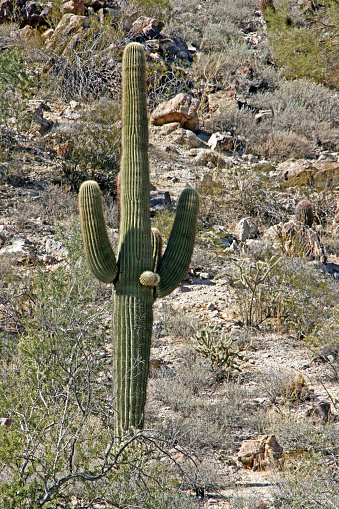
x: 132, y: 329
x: 133, y: 318
x: 140, y: 273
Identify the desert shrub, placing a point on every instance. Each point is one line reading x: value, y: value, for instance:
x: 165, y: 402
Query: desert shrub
x: 159, y: 9
x: 287, y: 293
x: 284, y: 386
x: 164, y: 81
x: 60, y: 445
x: 174, y: 321
x: 302, y: 117
x: 53, y: 204
x: 15, y: 83
x: 306, y: 47
x: 257, y: 300
x: 94, y: 147
x: 163, y: 221
x: 302, y: 288
x: 310, y: 483
x: 89, y: 70
x: 241, y: 192
x: 224, y: 22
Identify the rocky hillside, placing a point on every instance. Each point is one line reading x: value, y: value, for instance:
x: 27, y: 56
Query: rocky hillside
x: 243, y: 391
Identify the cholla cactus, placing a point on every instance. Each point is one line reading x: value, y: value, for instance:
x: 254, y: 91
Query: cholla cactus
x: 220, y: 352
x: 304, y: 212
x: 139, y: 271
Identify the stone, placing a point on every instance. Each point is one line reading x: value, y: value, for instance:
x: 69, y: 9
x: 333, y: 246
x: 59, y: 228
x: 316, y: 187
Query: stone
x: 108, y: 14
x: 74, y: 6
x: 45, y: 125
x: 187, y: 138
x: 47, y: 34
x: 20, y: 248
x: 160, y: 201
x: 205, y: 156
x: 246, y: 229
x: 260, y: 453
x: 182, y: 108
x: 169, y: 128
x: 292, y: 168
x: 65, y: 149
x: 5, y: 421
x: 321, y: 412
x: 24, y: 13
x: 69, y: 26
x: 257, y: 248
x: 174, y: 48
x: 30, y: 35
x: 222, y: 142
x: 56, y: 248
x: 148, y: 27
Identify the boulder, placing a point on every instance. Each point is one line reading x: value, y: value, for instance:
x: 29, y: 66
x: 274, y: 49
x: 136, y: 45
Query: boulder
x: 260, y: 453
x: 292, y: 168
x: 30, y: 35
x: 20, y: 249
x: 246, y: 229
x: 174, y: 48
x: 69, y: 26
x: 24, y: 13
x: 182, y: 108
x: 320, y: 412
x: 222, y: 142
x: 146, y: 28
x: 74, y: 6
x: 56, y: 248
x: 186, y: 138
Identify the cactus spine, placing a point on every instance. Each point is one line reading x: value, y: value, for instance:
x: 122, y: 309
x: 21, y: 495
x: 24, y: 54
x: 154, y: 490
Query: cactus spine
x: 139, y: 273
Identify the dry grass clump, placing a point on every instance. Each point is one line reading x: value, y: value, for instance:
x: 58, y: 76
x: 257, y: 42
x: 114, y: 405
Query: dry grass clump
x: 52, y: 204
x: 240, y: 192
x: 206, y: 415
x: 302, y: 117
x: 209, y: 27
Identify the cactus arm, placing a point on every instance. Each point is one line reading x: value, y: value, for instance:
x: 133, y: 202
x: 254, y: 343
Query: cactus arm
x: 98, y: 250
x: 175, y: 262
x: 157, y: 248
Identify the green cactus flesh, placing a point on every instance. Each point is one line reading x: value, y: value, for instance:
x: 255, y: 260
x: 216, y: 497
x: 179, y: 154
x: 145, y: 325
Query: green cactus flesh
x: 140, y: 273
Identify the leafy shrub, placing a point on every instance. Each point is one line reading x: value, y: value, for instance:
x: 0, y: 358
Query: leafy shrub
x: 15, y: 83
x: 306, y: 47
x: 310, y: 483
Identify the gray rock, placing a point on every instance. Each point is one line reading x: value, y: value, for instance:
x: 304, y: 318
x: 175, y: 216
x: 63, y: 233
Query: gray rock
x: 246, y: 229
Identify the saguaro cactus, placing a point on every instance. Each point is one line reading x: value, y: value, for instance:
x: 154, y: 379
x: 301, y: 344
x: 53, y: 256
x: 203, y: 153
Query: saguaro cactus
x: 139, y: 271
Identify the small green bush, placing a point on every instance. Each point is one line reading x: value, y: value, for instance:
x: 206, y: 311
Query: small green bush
x: 15, y: 83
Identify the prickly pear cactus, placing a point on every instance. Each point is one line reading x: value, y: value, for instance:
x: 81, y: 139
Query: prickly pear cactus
x: 140, y: 273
